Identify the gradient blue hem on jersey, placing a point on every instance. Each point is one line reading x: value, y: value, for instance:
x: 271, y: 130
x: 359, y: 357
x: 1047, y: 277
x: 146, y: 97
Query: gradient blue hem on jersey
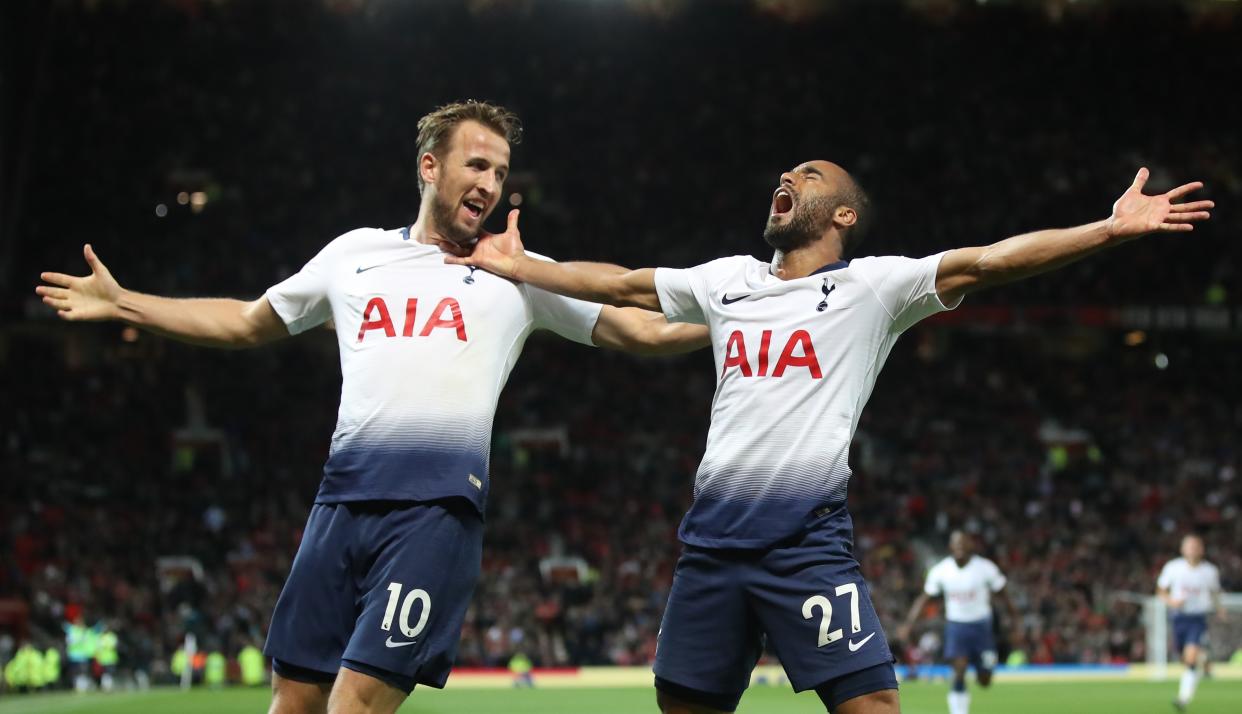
x: 757, y: 523
x: 404, y: 474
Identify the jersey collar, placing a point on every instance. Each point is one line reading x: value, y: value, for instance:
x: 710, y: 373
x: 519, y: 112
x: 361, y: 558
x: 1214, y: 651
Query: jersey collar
x: 832, y: 266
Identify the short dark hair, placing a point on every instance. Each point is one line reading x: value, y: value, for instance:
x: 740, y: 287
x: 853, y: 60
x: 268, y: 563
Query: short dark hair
x: 435, y: 128
x: 852, y: 194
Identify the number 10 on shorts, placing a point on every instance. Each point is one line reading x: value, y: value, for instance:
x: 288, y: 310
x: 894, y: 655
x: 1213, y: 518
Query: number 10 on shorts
x: 417, y: 594
x: 825, y: 606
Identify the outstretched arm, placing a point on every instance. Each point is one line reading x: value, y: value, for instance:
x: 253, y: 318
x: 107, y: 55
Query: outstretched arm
x: 966, y: 270
x: 212, y: 322
x: 503, y: 254
x: 630, y: 329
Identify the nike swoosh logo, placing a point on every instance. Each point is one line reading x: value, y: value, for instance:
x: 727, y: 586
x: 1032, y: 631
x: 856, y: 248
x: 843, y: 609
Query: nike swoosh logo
x: 855, y: 646
x: 726, y: 300
x: 389, y: 643
x: 363, y: 270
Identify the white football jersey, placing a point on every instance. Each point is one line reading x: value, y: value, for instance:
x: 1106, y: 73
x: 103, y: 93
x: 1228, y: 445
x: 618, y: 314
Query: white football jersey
x: 1195, y: 584
x: 425, y: 350
x: 967, y: 590
x: 795, y: 363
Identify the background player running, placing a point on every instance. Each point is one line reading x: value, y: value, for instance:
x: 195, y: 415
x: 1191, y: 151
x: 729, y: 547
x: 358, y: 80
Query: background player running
x: 798, y: 344
x: 391, y: 552
x: 968, y: 582
x: 1190, y: 586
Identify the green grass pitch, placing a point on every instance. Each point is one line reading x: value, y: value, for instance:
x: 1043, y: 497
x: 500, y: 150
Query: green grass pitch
x: 1214, y: 697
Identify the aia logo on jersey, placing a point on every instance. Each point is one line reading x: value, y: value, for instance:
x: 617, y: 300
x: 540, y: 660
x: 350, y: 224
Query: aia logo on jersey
x: 446, y: 315
x: 798, y: 353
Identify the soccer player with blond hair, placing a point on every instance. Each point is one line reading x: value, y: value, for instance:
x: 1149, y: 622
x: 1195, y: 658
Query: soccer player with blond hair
x: 389, y: 558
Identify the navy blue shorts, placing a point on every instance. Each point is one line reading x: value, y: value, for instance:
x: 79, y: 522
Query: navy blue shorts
x: 1189, y: 630
x: 806, y: 597
x: 378, y: 587
x: 973, y: 640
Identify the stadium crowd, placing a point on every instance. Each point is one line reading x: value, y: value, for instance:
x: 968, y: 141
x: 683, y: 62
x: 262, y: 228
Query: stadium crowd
x: 1076, y: 460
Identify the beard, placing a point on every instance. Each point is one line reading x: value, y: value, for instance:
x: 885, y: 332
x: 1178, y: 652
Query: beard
x: 811, y: 217
x: 445, y: 216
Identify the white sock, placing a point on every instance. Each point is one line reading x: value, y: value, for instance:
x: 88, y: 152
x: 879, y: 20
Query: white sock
x: 1186, y: 690
x: 959, y: 702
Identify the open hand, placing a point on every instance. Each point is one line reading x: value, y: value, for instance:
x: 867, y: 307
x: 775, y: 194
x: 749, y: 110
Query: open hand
x: 93, y: 297
x: 496, y: 253
x: 1136, y: 214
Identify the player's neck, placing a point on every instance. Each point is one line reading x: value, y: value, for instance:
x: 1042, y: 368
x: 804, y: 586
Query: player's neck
x: 424, y: 231
x: 963, y: 562
x: 801, y: 262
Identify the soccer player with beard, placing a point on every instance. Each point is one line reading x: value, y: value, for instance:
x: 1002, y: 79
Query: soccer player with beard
x: 798, y: 343
x: 391, y: 553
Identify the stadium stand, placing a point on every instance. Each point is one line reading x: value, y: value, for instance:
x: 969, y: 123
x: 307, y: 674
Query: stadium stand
x: 1077, y: 459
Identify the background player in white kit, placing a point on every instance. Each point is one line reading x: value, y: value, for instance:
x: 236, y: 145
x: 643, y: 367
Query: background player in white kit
x: 798, y: 344
x: 1190, y: 586
x: 391, y: 553
x: 968, y: 583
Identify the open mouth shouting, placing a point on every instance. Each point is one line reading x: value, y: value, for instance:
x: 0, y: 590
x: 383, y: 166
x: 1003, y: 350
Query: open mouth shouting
x: 473, y: 208
x: 782, y: 202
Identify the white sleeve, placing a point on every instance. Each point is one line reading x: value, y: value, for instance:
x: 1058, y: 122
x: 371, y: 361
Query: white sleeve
x: 572, y: 319
x: 932, y: 586
x: 1166, y: 576
x: 301, y: 300
x: 906, y: 287
x: 685, y: 293
x: 682, y: 294
x: 996, y: 579
x: 1215, y: 586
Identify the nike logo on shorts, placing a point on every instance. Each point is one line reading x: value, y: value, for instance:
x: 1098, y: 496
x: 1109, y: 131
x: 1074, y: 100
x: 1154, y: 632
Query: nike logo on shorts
x: 855, y: 646
x: 726, y: 300
x: 389, y: 643
x: 363, y: 270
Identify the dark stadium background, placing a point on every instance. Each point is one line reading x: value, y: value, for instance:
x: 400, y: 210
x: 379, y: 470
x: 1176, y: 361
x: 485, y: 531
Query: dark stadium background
x: 1038, y: 417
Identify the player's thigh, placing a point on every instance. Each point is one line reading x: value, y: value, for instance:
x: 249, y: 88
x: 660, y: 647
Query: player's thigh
x: 709, y: 639
x: 671, y: 704
x: 290, y: 696
x: 423, y: 564
x: 1190, y: 654
x: 884, y: 701
x: 818, y: 615
x: 983, y: 652
x: 358, y: 693
x: 314, y: 615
